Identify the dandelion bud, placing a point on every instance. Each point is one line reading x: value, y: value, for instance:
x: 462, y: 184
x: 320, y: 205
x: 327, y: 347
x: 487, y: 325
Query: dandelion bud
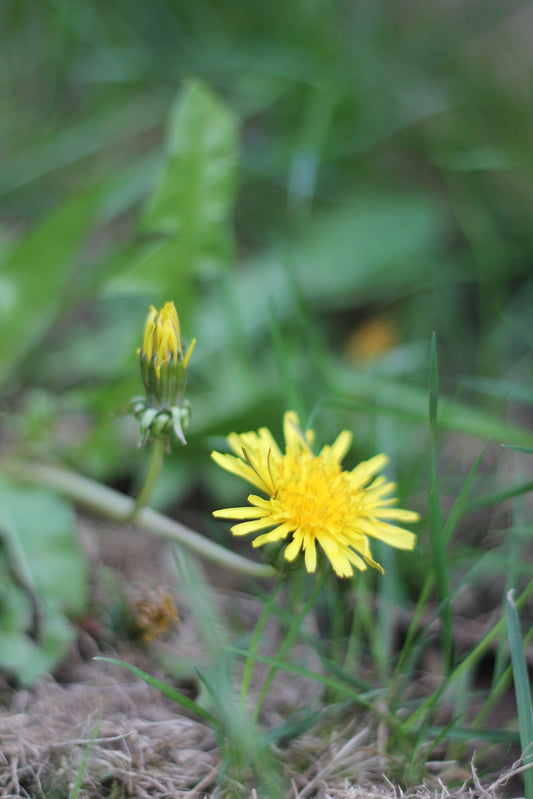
x: 164, y: 410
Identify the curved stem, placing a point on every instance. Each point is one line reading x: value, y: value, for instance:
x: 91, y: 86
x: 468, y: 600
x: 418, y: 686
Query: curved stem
x: 154, y: 470
x: 114, y: 505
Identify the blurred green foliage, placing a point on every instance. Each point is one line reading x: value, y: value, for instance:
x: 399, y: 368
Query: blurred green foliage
x: 285, y: 173
x: 43, y: 580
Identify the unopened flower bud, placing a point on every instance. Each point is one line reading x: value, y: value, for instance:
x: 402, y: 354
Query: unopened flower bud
x: 164, y: 374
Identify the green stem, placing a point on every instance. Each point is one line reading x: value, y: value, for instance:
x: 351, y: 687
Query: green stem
x: 259, y: 627
x: 154, y: 470
x: 289, y: 638
x: 114, y: 505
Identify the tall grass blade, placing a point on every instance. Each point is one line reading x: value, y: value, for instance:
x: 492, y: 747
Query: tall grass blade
x: 436, y: 531
x: 522, y: 691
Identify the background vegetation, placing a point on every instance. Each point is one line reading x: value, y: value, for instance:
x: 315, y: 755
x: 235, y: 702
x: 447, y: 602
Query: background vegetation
x: 319, y: 187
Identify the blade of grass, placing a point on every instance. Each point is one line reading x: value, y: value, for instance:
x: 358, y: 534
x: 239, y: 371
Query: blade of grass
x: 414, y: 628
x: 460, y: 503
x: 522, y: 691
x: 281, y: 350
x: 436, y: 531
x: 529, y: 450
x: 468, y: 663
x: 243, y: 743
x: 499, y: 688
x: 388, y: 587
x: 495, y: 497
x: 322, y: 649
x: 85, y: 759
x: 167, y: 690
x: 328, y: 682
x: 451, y: 523
x: 473, y: 733
x: 403, y: 677
x: 515, y: 559
x: 259, y: 627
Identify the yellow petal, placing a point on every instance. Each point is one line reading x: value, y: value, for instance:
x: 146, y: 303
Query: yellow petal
x: 389, y: 533
x: 251, y: 527
x: 291, y: 552
x: 399, y: 514
x: 274, y: 535
x: 260, y: 502
x: 338, y: 558
x: 310, y: 553
x: 337, y: 451
x: 268, y: 444
x: 189, y: 353
x: 236, y: 466
x: 364, y: 471
x: 295, y: 439
x: 240, y: 513
x: 358, y: 562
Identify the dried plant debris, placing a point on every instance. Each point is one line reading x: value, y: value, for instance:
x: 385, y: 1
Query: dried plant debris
x: 137, y: 744
x: 115, y: 737
x: 140, y: 746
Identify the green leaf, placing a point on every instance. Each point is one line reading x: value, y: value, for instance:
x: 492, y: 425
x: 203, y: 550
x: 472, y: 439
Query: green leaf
x: 43, y: 579
x: 36, y: 276
x: 29, y: 659
x: 39, y: 531
x: 367, y: 242
x: 194, y: 199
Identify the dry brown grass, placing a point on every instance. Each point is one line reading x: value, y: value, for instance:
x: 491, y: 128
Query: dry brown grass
x: 141, y: 745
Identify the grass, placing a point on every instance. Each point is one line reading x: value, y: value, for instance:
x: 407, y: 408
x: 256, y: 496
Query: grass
x: 287, y: 178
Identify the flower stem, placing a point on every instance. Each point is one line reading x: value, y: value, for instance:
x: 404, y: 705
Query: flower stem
x: 154, y: 470
x: 289, y: 638
x: 114, y: 505
x: 259, y: 627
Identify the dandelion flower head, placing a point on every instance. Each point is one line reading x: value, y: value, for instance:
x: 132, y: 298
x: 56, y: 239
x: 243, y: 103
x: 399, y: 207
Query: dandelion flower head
x: 309, y: 499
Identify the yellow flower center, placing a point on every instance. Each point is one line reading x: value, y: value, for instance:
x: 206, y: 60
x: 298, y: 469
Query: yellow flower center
x: 315, y: 497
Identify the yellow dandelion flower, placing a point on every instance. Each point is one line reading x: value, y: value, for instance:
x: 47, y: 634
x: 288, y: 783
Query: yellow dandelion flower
x: 311, y: 500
